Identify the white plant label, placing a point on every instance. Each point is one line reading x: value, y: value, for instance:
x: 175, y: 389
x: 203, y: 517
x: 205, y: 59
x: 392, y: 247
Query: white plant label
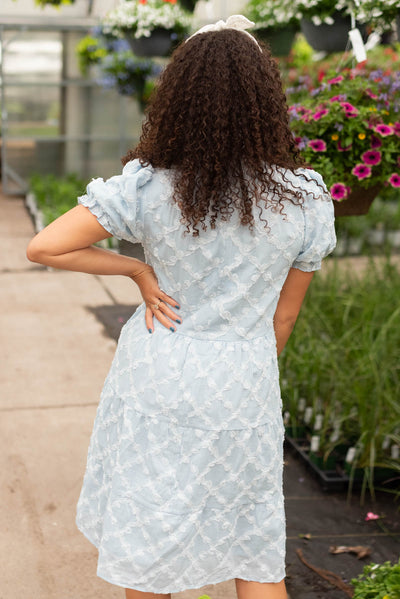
x: 314, y: 443
x: 351, y: 452
x: 302, y: 404
x: 318, y: 422
x: 308, y: 415
x: 358, y: 45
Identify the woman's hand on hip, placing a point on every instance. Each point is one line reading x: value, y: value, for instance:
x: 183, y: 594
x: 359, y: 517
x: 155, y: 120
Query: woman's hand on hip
x: 157, y: 302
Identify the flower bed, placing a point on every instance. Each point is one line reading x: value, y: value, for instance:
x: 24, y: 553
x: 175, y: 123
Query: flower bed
x: 341, y: 374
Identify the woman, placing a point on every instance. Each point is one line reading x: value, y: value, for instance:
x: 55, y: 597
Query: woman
x: 183, y: 485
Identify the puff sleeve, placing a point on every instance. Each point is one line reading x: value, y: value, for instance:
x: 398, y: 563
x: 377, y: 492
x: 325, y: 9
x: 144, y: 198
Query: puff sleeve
x: 319, y: 224
x: 116, y: 202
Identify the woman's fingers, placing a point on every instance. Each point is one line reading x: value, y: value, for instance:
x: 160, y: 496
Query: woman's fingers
x: 148, y: 318
x: 162, y: 319
x: 162, y: 312
x: 169, y: 300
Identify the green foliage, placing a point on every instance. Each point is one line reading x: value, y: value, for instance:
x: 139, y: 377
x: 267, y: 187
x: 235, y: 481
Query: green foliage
x: 343, y: 359
x: 378, y: 581
x: 55, y: 3
x: 55, y: 196
x: 90, y: 51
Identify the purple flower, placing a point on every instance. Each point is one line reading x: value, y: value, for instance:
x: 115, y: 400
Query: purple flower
x: 384, y: 130
x: 339, y: 98
x: 372, y: 157
x: 318, y: 145
x: 394, y: 180
x: 361, y: 171
x: 339, y: 191
x: 338, y: 126
x: 301, y: 142
x: 375, y: 142
x: 319, y: 114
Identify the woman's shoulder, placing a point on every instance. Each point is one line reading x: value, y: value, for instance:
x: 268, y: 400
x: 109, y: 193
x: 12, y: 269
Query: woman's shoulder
x: 143, y: 173
x: 303, y: 178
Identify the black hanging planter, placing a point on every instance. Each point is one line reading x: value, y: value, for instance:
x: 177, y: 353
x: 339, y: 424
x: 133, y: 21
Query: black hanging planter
x: 358, y: 202
x: 279, y: 39
x: 188, y: 5
x: 330, y: 38
x: 157, y: 44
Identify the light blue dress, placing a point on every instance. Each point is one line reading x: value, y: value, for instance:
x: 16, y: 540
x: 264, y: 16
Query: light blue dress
x: 183, y: 485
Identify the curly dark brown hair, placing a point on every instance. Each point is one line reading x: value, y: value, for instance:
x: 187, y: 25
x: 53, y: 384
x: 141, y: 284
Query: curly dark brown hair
x: 219, y: 119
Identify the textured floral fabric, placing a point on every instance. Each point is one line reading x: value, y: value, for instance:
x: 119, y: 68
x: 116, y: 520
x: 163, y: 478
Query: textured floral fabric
x: 183, y: 485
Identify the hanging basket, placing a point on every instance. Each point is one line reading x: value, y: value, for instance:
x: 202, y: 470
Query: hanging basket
x: 358, y: 202
x: 330, y: 38
x: 280, y: 40
x: 158, y: 44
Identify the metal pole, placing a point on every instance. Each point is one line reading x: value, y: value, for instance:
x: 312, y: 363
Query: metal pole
x: 3, y: 115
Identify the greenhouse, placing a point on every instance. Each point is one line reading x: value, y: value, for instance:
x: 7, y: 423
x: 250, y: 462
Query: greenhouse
x: 219, y: 435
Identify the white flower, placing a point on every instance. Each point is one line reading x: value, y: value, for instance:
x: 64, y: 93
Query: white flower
x: 142, y: 19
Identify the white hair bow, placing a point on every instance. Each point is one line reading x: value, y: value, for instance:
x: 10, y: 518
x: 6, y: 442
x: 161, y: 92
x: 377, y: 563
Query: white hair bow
x: 238, y: 22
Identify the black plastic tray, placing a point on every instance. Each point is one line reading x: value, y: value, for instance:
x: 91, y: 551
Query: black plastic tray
x: 330, y: 480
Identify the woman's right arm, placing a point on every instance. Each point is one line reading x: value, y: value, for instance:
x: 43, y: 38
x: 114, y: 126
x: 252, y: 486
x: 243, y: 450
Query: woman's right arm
x: 289, y: 304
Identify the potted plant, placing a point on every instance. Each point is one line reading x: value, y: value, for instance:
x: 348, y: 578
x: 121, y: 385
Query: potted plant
x: 276, y: 23
x: 347, y: 130
x: 131, y: 75
x: 381, y: 14
x: 90, y: 51
x: 188, y: 5
x: 326, y: 23
x: 56, y: 3
x: 117, y: 66
x: 152, y: 27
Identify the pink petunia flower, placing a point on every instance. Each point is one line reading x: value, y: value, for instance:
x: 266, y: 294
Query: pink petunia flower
x: 372, y: 157
x: 318, y: 145
x: 348, y: 107
x: 337, y: 79
x: 384, y: 130
x: 339, y: 191
x: 396, y: 128
x: 361, y: 171
x: 342, y: 148
x: 319, y: 114
x: 372, y: 516
x: 375, y: 142
x: 351, y: 114
x: 394, y: 180
x: 370, y: 94
x: 339, y: 98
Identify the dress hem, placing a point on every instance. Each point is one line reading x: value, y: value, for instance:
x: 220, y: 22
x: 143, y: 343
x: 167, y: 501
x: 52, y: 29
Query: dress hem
x: 225, y: 577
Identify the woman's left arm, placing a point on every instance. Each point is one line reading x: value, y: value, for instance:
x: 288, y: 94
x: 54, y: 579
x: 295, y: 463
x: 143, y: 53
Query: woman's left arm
x: 66, y: 243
